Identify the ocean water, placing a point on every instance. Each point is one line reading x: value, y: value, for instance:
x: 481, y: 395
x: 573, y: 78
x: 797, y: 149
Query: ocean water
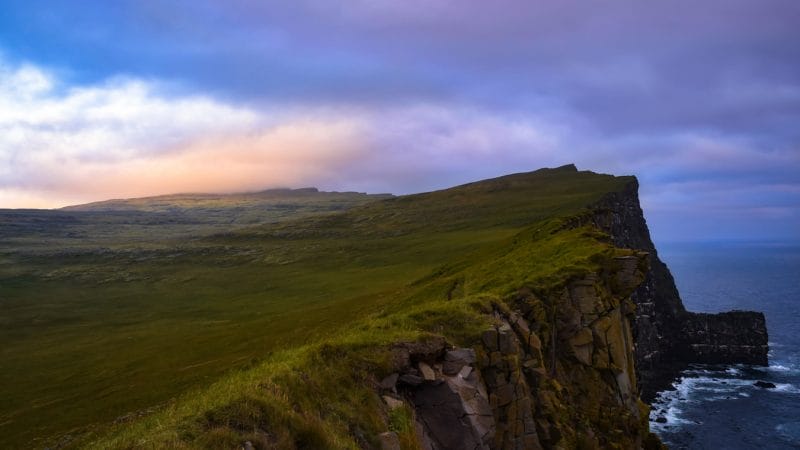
x: 718, y: 407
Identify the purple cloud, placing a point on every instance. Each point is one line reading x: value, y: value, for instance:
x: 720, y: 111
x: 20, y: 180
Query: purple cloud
x: 700, y: 100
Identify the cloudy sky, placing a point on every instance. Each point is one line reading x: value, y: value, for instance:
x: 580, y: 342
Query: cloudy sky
x: 700, y: 100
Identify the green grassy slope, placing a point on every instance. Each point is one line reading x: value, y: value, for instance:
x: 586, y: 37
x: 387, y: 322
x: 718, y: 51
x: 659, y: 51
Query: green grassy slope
x: 274, y: 205
x: 147, y: 222
x: 89, y: 336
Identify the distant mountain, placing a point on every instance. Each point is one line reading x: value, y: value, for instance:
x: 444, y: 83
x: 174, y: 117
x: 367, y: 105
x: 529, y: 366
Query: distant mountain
x: 310, y: 198
x: 114, y: 222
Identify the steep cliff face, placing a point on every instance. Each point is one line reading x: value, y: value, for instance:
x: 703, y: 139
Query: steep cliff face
x: 553, y: 372
x: 568, y: 370
x: 667, y: 336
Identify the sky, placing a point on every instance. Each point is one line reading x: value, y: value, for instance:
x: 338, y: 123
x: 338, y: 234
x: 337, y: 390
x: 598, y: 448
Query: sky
x: 699, y: 100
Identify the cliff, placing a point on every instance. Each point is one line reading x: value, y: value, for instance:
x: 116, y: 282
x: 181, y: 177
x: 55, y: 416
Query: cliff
x: 667, y: 336
x: 543, y: 318
x: 552, y: 372
x: 601, y: 354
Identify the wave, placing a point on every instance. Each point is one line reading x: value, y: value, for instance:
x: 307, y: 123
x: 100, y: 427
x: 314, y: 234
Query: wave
x: 699, y: 385
x: 779, y: 368
x: 733, y: 370
x: 787, y: 388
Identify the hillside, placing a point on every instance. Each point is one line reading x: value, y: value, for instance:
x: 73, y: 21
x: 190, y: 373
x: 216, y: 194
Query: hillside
x: 145, y: 221
x: 273, y: 205
x: 505, y: 302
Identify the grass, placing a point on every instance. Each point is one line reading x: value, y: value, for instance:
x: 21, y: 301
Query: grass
x: 236, y: 324
x: 314, y: 396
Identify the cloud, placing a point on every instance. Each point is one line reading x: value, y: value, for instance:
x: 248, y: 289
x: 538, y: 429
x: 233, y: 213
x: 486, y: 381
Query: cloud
x: 120, y: 119
x: 700, y: 100
x: 125, y: 138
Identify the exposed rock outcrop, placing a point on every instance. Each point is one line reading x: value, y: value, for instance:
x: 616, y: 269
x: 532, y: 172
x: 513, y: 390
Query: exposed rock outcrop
x: 447, y: 394
x: 555, y: 372
x: 567, y: 368
x: 667, y: 336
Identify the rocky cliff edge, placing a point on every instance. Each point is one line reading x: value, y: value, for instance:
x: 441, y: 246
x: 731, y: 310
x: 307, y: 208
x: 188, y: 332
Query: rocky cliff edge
x: 571, y: 369
x: 667, y: 336
x: 548, y: 340
x: 553, y: 372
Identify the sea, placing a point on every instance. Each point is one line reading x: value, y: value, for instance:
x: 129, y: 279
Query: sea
x: 719, y: 407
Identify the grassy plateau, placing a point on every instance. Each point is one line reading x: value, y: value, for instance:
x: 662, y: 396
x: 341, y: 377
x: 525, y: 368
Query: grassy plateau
x: 196, y: 321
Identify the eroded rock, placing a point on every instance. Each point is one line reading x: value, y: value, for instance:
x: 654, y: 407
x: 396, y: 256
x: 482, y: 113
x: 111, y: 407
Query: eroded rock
x: 547, y: 382
x: 427, y: 372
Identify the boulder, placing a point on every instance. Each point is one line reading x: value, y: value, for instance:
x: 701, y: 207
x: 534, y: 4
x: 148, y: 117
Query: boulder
x: 427, y: 372
x: 410, y: 380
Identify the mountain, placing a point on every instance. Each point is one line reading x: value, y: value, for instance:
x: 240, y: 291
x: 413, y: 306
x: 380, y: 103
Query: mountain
x: 526, y: 311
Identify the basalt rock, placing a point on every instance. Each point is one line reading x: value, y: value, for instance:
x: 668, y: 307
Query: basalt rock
x: 452, y: 410
x: 667, y: 336
x: 551, y: 373
x: 569, y: 367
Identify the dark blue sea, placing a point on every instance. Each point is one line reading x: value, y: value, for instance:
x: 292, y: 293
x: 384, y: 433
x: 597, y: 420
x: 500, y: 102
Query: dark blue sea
x: 718, y: 407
